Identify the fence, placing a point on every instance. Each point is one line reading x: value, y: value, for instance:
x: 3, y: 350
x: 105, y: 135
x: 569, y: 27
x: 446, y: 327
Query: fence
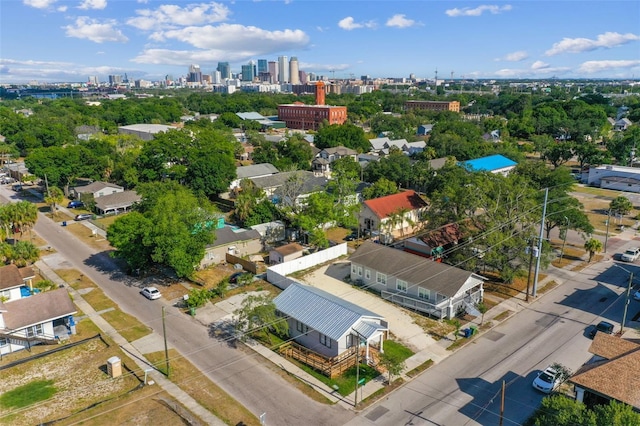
x: 277, y: 274
x: 330, y: 367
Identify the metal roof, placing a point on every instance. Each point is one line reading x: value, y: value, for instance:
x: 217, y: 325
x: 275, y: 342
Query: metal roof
x: 488, y: 164
x: 253, y: 170
x: 322, y: 311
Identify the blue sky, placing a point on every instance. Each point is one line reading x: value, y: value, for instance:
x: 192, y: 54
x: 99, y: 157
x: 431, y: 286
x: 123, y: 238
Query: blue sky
x: 69, y: 40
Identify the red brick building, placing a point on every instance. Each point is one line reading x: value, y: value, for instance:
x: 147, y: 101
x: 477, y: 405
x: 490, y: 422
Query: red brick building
x: 433, y: 105
x: 309, y: 117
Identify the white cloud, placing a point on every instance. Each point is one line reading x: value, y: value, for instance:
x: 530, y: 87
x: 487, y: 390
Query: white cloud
x: 591, y: 67
x: 324, y: 67
x: 349, y: 24
x: 477, y: 11
x: 400, y: 21
x: 518, y: 56
x: 94, y: 30
x: 62, y: 8
x: 25, y: 71
x: 93, y: 4
x: 39, y: 4
x: 603, y: 41
x: 231, y: 41
x: 538, y: 65
x: 173, y: 16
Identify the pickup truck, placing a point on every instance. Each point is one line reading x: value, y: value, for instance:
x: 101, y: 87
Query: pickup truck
x: 630, y: 255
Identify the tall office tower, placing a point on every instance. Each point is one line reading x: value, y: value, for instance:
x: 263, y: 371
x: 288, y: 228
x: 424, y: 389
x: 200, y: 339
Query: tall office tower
x: 93, y: 80
x: 114, y: 80
x: 247, y: 72
x: 216, y: 77
x: 225, y: 70
x: 294, y: 77
x: 312, y: 76
x: 303, y: 77
x: 263, y: 66
x: 273, y: 70
x: 195, y: 75
x: 283, y: 68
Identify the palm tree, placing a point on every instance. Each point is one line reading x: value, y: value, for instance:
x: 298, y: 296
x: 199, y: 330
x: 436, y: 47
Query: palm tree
x: 54, y: 198
x: 593, y: 246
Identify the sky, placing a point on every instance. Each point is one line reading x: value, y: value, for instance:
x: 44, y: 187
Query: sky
x: 70, y: 40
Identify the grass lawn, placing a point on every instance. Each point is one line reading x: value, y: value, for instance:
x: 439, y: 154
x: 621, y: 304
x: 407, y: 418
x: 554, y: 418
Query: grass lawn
x: 397, y: 350
x: 32, y: 392
x: 203, y: 390
x: 346, y: 383
x: 128, y: 326
x: 98, y: 300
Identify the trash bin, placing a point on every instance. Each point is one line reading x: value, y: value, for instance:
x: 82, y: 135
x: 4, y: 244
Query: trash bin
x: 466, y: 332
x: 192, y: 312
x: 64, y: 223
x: 474, y: 330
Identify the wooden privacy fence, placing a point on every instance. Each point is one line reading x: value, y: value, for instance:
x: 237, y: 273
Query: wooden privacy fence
x: 330, y: 367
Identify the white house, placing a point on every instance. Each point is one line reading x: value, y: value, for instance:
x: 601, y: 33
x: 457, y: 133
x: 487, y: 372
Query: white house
x: 379, y: 214
x: 285, y: 253
x: 434, y: 288
x: 252, y: 171
x: 97, y: 189
x: 29, y: 318
x: 327, y: 324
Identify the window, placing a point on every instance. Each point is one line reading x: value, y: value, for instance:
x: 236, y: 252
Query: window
x: 301, y: 327
x: 359, y: 271
x: 367, y: 274
x: 423, y: 293
x: 401, y: 285
x: 5, y: 295
x: 354, y: 268
x: 3, y: 341
x: 36, y: 330
x: 381, y: 278
x: 324, y: 340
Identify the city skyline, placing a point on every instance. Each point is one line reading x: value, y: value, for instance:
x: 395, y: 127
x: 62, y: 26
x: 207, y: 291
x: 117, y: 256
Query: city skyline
x: 69, y: 41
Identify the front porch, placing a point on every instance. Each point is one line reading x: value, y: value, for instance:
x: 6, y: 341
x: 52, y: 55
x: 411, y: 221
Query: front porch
x: 331, y: 366
x: 445, y: 309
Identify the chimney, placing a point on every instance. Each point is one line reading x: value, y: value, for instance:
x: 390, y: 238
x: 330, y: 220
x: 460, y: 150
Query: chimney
x: 320, y: 93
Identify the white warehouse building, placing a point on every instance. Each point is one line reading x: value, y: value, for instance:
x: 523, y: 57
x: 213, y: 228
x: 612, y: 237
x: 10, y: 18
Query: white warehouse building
x: 619, y: 178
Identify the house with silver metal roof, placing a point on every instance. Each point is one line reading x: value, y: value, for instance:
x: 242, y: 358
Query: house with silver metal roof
x: 327, y: 324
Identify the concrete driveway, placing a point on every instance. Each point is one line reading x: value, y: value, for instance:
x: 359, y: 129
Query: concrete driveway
x: 330, y: 279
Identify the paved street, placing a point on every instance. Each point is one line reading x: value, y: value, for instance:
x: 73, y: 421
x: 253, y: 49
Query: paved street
x: 250, y: 382
x: 465, y: 388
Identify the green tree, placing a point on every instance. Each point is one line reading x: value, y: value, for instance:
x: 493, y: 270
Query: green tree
x: 616, y: 414
x: 24, y: 253
x: 348, y: 135
x: 257, y: 316
x: 380, y: 188
x: 558, y: 410
x: 593, y: 246
x: 393, y: 364
x: 482, y: 308
x: 54, y: 197
x: 621, y: 205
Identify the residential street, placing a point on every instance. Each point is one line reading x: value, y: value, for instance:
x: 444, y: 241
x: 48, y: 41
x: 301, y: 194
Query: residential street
x: 465, y: 389
x: 248, y: 381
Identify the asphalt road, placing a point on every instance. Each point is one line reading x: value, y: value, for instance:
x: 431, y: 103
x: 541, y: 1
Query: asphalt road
x: 465, y: 389
x: 242, y: 376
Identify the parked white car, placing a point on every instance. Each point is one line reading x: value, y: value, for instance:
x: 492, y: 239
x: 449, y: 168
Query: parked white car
x: 547, y: 380
x: 630, y: 255
x: 151, y: 293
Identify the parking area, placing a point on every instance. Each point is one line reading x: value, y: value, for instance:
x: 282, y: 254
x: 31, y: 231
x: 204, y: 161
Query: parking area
x: 330, y: 278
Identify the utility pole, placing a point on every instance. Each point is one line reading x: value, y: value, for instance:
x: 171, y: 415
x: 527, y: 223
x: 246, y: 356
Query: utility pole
x: 531, y: 251
x: 355, y: 398
x: 606, y: 237
x: 502, y: 405
x: 166, y: 349
x: 564, y: 241
x: 626, y: 302
x: 544, y: 213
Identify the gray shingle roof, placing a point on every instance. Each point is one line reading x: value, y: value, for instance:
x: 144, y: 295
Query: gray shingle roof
x: 322, y: 311
x: 247, y: 172
x: 311, y: 183
x: 117, y: 200
x: 227, y: 235
x: 95, y: 186
x: 39, y: 308
x: 435, y: 276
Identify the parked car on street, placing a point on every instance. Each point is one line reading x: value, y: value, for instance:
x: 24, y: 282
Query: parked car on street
x: 151, y: 293
x: 603, y: 326
x: 75, y: 204
x: 546, y: 381
x: 630, y: 255
x: 636, y: 295
x: 84, y: 216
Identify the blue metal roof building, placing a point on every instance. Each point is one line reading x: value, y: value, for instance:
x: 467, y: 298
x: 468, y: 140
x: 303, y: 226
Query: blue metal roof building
x: 493, y: 163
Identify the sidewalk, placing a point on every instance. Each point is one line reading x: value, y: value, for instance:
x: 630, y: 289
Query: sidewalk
x: 171, y: 388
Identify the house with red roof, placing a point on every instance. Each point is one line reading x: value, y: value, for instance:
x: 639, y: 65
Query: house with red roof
x: 396, y: 215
